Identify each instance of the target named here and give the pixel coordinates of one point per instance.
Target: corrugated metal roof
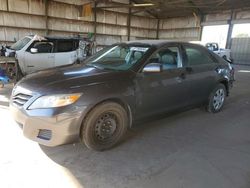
(176, 8)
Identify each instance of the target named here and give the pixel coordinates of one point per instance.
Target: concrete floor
(193, 149)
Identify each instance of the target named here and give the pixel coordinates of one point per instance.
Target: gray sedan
(118, 86)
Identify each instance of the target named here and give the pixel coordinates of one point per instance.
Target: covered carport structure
(110, 21)
(192, 149)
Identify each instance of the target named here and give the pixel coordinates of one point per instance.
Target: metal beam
(7, 5)
(123, 6)
(202, 18)
(158, 28)
(129, 21)
(147, 9)
(46, 17)
(95, 20)
(230, 30)
(196, 10)
(143, 10)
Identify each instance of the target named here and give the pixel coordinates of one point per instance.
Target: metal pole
(46, 17)
(129, 21)
(95, 20)
(158, 29)
(230, 30)
(201, 27)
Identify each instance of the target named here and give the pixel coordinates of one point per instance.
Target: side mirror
(152, 68)
(34, 50)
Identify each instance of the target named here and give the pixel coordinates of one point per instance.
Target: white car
(224, 53)
(35, 53)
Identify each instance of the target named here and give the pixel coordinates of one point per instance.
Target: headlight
(53, 101)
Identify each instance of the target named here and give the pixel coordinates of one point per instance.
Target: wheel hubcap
(218, 99)
(105, 126)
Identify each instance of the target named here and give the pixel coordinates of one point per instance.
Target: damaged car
(34, 53)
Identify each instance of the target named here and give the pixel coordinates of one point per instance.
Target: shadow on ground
(190, 149)
(4, 95)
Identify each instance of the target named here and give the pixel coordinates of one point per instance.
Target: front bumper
(52, 130)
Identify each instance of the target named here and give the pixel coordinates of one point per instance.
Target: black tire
(104, 126)
(217, 99)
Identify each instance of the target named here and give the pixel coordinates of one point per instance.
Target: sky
(219, 33)
(216, 34)
(241, 29)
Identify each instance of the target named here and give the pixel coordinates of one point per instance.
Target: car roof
(158, 43)
(61, 38)
(76, 38)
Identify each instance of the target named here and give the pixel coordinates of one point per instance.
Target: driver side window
(169, 57)
(43, 47)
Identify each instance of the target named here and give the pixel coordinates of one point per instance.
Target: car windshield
(21, 43)
(117, 57)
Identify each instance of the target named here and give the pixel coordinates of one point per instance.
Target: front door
(43, 58)
(162, 91)
(65, 52)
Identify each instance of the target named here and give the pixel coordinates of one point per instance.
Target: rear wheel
(217, 99)
(104, 126)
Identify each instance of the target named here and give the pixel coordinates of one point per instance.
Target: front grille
(20, 99)
(44, 134)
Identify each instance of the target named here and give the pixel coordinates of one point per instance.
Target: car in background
(125, 83)
(34, 53)
(224, 53)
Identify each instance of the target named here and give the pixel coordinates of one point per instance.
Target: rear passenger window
(66, 46)
(197, 57)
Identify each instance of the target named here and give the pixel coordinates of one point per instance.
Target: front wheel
(217, 99)
(104, 126)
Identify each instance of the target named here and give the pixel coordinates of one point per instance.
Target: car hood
(68, 79)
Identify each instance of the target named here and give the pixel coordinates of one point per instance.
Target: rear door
(66, 52)
(202, 74)
(162, 91)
